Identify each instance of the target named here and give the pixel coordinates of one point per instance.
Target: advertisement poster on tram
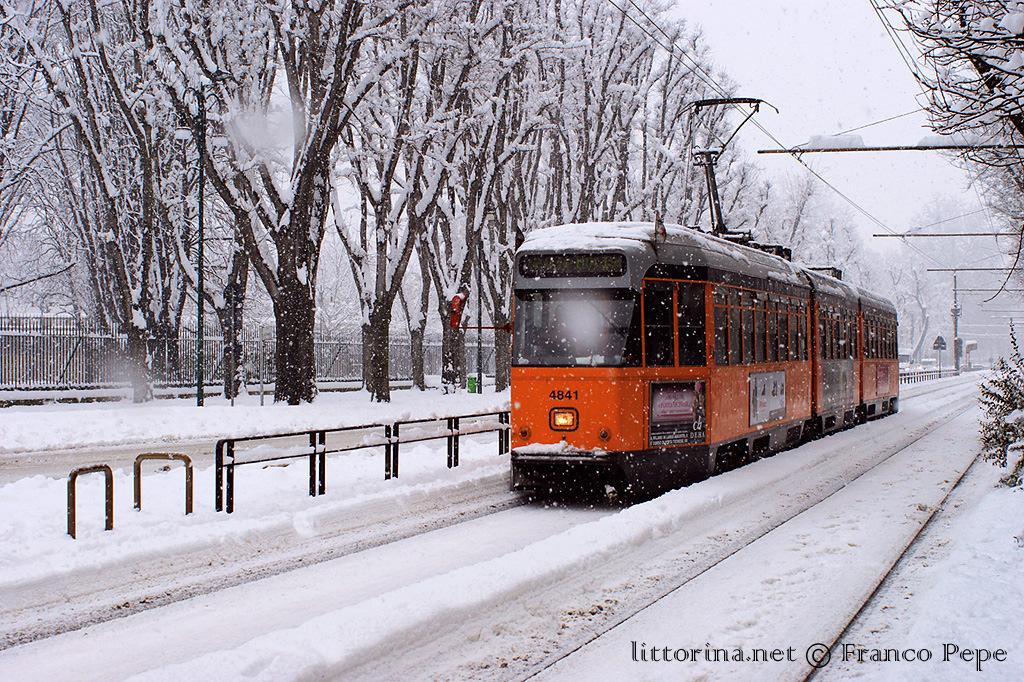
(882, 384)
(677, 413)
(767, 397)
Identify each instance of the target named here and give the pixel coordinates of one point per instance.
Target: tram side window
(852, 326)
(721, 328)
(691, 324)
(801, 331)
(735, 327)
(792, 341)
(784, 331)
(826, 335)
(659, 340)
(773, 332)
(843, 343)
(748, 336)
(759, 331)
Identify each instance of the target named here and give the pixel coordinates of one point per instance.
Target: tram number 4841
(564, 395)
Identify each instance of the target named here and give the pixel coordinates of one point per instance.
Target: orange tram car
(648, 357)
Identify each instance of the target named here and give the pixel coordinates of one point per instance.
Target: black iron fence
(48, 353)
(388, 436)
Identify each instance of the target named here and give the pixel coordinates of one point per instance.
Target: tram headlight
(564, 419)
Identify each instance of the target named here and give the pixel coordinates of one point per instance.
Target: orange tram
(649, 357)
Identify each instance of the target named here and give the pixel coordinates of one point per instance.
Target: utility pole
(200, 301)
(957, 345)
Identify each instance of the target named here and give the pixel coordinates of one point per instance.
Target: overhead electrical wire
(909, 61)
(710, 81)
(875, 123)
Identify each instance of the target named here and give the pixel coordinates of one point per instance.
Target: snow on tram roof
(830, 285)
(598, 236)
(639, 238)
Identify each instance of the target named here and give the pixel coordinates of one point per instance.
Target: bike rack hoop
(108, 490)
(163, 456)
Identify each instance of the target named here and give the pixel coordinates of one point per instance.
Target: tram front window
(577, 328)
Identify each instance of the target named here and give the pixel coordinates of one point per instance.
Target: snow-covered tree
(1002, 427)
(283, 81)
(110, 155)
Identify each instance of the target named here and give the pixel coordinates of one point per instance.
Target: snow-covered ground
(770, 555)
(961, 586)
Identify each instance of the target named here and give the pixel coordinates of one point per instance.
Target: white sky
(828, 66)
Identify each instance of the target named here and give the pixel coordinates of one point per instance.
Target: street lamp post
(200, 301)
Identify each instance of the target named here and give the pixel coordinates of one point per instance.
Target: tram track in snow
(629, 611)
(933, 514)
(42, 610)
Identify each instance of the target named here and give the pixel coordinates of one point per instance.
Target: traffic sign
(939, 344)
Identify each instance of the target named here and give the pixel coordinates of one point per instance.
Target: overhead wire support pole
(957, 345)
(200, 312)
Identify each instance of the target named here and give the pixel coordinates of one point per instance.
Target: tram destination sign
(677, 413)
(572, 265)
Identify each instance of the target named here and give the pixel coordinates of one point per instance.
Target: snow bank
(268, 499)
(50, 427)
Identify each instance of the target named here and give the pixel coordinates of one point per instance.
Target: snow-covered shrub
(1002, 426)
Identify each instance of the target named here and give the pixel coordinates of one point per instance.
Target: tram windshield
(577, 328)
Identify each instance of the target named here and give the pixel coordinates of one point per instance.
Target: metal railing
(390, 436)
(918, 375)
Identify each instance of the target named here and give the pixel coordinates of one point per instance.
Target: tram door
(674, 337)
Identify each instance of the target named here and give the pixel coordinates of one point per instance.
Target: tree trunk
(453, 358)
(232, 357)
(294, 314)
(377, 341)
(231, 316)
(164, 355)
(419, 381)
(502, 358)
(138, 364)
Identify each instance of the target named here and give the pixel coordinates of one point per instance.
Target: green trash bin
(471, 384)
